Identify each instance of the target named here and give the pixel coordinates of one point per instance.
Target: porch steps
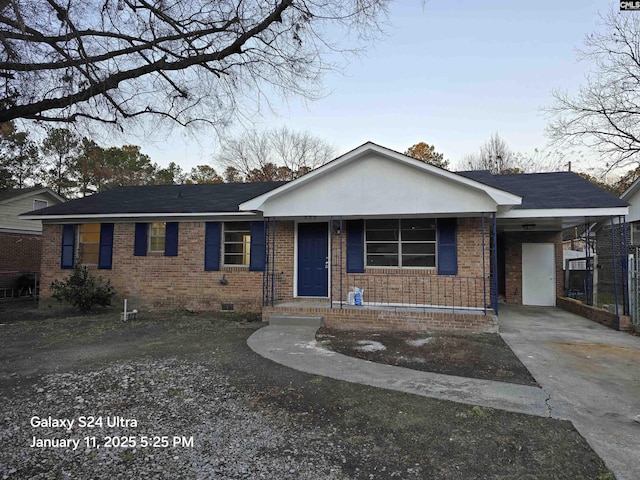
(296, 320)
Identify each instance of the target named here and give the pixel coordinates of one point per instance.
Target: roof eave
(97, 216)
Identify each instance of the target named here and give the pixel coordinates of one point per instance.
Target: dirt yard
(205, 406)
(483, 356)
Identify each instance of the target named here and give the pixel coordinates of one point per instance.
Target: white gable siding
(634, 207)
(374, 185)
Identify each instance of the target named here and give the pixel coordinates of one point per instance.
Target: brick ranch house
(430, 248)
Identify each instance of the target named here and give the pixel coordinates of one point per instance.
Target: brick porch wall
(513, 267)
(371, 319)
(594, 314)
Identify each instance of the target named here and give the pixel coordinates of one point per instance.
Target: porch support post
(273, 261)
(341, 265)
(624, 263)
(588, 288)
(265, 272)
(484, 270)
(615, 273)
(330, 262)
(494, 266)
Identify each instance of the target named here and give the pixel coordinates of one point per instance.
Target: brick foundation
(371, 319)
(595, 314)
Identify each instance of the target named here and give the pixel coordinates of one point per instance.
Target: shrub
(83, 290)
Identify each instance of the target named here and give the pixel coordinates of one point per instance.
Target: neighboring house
(429, 247)
(20, 239)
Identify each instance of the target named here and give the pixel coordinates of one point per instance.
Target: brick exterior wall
(513, 261)
(20, 252)
(158, 282)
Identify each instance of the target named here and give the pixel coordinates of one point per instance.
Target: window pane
(382, 224)
(418, 248)
(158, 229)
(89, 253)
(418, 260)
(418, 224)
(419, 235)
(237, 237)
(234, 259)
(237, 226)
(382, 235)
(156, 244)
(237, 243)
(382, 260)
(382, 248)
(90, 233)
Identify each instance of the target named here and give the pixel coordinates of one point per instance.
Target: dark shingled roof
(549, 190)
(169, 199)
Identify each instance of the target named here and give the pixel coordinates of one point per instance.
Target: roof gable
(373, 180)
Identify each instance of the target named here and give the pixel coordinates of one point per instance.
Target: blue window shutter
(355, 246)
(140, 241)
(68, 246)
(212, 246)
(171, 240)
(106, 246)
(447, 246)
(258, 247)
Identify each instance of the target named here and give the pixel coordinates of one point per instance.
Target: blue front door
(313, 255)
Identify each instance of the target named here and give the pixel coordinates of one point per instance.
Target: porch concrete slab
(591, 371)
(296, 347)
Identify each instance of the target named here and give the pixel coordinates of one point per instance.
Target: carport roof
(558, 190)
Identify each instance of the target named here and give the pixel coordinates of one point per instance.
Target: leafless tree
(494, 155)
(184, 60)
(604, 114)
(278, 154)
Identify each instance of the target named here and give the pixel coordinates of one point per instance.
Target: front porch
(379, 317)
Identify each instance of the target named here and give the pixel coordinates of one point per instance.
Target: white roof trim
(564, 212)
(633, 188)
(499, 196)
(139, 215)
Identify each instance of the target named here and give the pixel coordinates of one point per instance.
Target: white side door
(539, 274)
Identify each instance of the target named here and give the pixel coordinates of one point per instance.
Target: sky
(449, 73)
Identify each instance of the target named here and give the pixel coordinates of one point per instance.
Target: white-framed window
(635, 233)
(236, 243)
(89, 243)
(408, 243)
(157, 236)
(38, 204)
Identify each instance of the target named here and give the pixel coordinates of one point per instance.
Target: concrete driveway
(591, 373)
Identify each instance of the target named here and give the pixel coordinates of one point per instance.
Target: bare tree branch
(186, 60)
(604, 114)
